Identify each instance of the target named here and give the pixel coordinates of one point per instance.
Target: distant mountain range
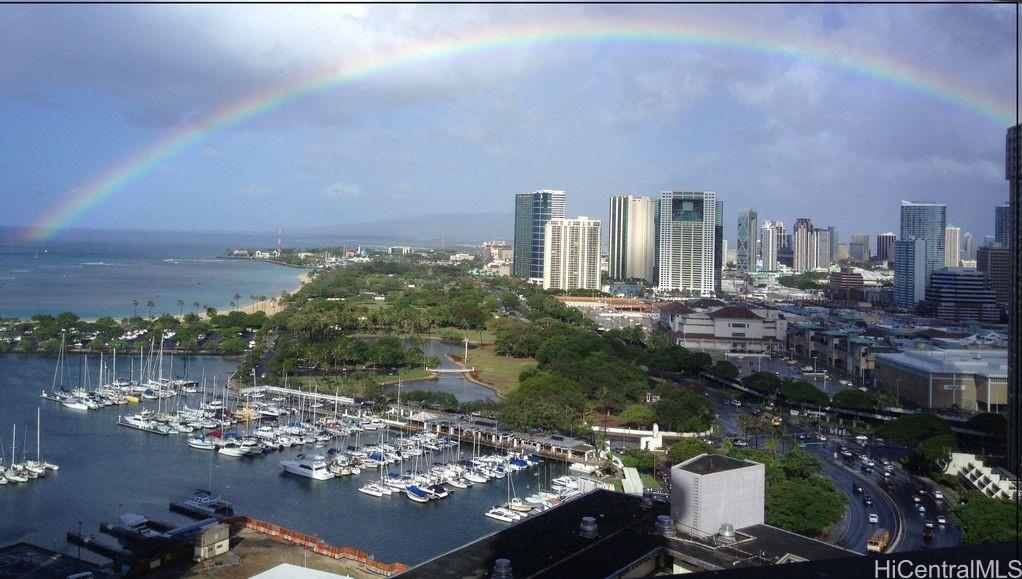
(433, 229)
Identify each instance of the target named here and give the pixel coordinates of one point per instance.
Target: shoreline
(471, 377)
(269, 306)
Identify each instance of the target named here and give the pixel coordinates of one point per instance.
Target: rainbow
(79, 201)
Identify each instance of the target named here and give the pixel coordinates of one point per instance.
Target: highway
(895, 508)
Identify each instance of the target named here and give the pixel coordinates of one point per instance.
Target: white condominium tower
(952, 246)
(632, 237)
(770, 237)
(688, 221)
(571, 257)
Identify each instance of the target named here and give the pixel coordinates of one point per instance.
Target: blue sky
(84, 87)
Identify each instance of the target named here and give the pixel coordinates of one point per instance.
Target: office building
(715, 327)
(952, 246)
(961, 295)
(532, 212)
(822, 243)
(688, 242)
(745, 252)
(885, 246)
(571, 257)
(842, 253)
(1002, 224)
(845, 285)
(835, 241)
(968, 247)
(858, 249)
(632, 237)
(909, 272)
(770, 239)
(805, 245)
(926, 221)
(996, 263)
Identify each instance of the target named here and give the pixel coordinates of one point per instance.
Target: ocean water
(107, 470)
(96, 274)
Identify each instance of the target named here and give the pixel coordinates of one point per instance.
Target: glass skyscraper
(926, 221)
(532, 212)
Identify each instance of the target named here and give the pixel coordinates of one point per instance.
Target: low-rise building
(710, 326)
(994, 482)
(973, 380)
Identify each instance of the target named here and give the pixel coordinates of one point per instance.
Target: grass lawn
(497, 372)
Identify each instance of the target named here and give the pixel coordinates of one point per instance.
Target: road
(894, 508)
(783, 369)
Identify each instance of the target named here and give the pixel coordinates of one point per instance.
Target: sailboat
(39, 465)
(14, 473)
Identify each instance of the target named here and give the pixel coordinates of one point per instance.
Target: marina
(348, 508)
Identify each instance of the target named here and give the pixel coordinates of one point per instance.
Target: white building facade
(687, 242)
(572, 254)
(632, 237)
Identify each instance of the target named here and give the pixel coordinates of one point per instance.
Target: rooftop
(713, 463)
(990, 363)
(550, 545)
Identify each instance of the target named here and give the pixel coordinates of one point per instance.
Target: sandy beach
(270, 306)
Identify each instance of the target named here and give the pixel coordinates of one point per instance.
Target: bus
(878, 542)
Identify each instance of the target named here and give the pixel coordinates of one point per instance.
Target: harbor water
(107, 470)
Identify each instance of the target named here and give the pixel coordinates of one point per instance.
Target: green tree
(938, 448)
(801, 392)
(855, 399)
(683, 410)
(799, 463)
(912, 429)
(764, 382)
(687, 448)
(724, 370)
(804, 507)
(637, 415)
(986, 520)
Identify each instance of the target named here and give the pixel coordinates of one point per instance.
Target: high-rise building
(805, 247)
(632, 237)
(770, 238)
(835, 241)
(909, 272)
(821, 241)
(969, 248)
(745, 252)
(1002, 224)
(842, 252)
(687, 236)
(952, 246)
(995, 261)
(719, 245)
(858, 249)
(926, 221)
(1013, 172)
(885, 246)
(572, 254)
(532, 212)
(960, 295)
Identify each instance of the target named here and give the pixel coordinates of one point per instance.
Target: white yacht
(374, 490)
(313, 467)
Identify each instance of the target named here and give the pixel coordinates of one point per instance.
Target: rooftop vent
(502, 569)
(588, 529)
(664, 525)
(726, 534)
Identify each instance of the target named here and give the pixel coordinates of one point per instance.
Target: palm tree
(196, 306)
(181, 306)
(772, 445)
(237, 298)
(150, 304)
(134, 303)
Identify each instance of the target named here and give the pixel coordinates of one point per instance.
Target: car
(941, 520)
(736, 403)
(857, 489)
(928, 524)
(821, 438)
(922, 509)
(887, 474)
(865, 468)
(938, 495)
(740, 442)
(922, 490)
(874, 518)
(867, 501)
(915, 498)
